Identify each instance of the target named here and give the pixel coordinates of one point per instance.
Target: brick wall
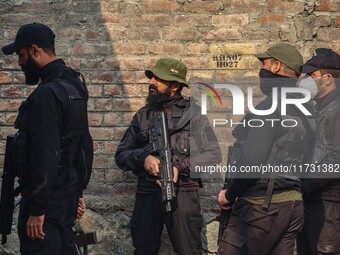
(112, 42)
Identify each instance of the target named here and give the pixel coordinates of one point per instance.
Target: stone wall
(112, 42)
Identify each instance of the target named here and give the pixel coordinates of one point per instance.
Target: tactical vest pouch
(180, 143)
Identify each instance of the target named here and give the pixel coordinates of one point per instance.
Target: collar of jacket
(51, 69)
(322, 102)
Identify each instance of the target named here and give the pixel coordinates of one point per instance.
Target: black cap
(286, 54)
(322, 58)
(29, 34)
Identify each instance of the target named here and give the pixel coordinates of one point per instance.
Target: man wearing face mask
(267, 210)
(184, 222)
(321, 232)
(53, 147)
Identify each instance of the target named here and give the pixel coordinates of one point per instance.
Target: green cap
(285, 53)
(169, 69)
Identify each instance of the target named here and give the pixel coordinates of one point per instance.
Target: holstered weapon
(160, 141)
(225, 214)
(7, 190)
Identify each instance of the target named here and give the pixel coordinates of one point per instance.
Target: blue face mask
(310, 84)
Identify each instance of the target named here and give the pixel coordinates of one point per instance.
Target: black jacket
(258, 146)
(54, 121)
(327, 148)
(130, 155)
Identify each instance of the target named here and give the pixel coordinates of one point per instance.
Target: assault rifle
(160, 140)
(8, 193)
(225, 214)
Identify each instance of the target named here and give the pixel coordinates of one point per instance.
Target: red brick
(223, 34)
(103, 105)
(132, 63)
(92, 63)
(132, 90)
(271, 18)
(328, 34)
(131, 104)
(110, 147)
(180, 34)
(327, 6)
(97, 147)
(150, 32)
(14, 91)
(33, 6)
(100, 133)
(202, 6)
(133, 33)
(2, 149)
(194, 63)
(112, 90)
(193, 20)
(15, 19)
(154, 20)
(115, 33)
(101, 161)
(103, 77)
(10, 118)
(129, 48)
(10, 105)
(114, 18)
(95, 119)
(91, 105)
(110, 63)
(337, 22)
(91, 49)
(112, 119)
(197, 48)
(166, 48)
(161, 5)
(68, 34)
(259, 35)
(230, 20)
(5, 77)
(93, 35)
(286, 6)
(109, 6)
(126, 77)
(95, 90)
(249, 5)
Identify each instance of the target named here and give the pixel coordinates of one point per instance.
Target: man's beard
(157, 99)
(32, 71)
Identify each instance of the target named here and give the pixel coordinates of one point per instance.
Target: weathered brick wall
(112, 42)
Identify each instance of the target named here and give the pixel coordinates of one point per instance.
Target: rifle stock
(7, 190)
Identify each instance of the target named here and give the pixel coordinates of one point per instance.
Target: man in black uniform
(321, 232)
(53, 147)
(184, 223)
(268, 212)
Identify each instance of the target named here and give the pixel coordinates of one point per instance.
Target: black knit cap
(29, 34)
